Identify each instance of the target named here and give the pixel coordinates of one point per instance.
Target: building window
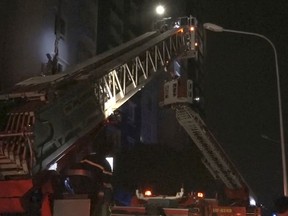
(130, 142)
(59, 67)
(174, 89)
(166, 91)
(149, 103)
(60, 26)
(190, 88)
(131, 112)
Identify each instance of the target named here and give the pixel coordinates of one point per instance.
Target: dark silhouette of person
(92, 175)
(281, 206)
(52, 64)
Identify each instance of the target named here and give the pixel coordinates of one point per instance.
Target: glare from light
(53, 167)
(200, 195)
(252, 202)
(176, 26)
(110, 111)
(148, 193)
(160, 10)
(197, 99)
(110, 161)
(192, 28)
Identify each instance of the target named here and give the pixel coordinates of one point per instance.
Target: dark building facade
(34, 34)
(120, 22)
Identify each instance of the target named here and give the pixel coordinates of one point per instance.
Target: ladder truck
(177, 94)
(46, 120)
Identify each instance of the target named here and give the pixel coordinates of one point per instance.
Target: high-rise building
(44, 37)
(49, 36)
(121, 21)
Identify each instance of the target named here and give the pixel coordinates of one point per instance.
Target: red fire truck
(46, 120)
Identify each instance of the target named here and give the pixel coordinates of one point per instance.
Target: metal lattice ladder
(215, 159)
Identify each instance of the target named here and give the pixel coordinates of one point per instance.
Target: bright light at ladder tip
(160, 10)
(148, 193)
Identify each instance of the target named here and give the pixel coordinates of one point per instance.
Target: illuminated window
(131, 112)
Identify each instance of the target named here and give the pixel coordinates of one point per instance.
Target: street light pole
(216, 28)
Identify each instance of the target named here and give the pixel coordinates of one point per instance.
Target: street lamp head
(213, 27)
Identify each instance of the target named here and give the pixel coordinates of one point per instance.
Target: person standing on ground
(92, 175)
(97, 163)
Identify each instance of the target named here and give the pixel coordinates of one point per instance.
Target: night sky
(241, 93)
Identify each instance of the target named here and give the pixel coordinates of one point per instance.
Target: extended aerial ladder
(47, 118)
(104, 83)
(214, 157)
(178, 94)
